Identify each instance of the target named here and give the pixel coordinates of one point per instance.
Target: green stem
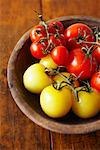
(88, 87)
(93, 43)
(89, 51)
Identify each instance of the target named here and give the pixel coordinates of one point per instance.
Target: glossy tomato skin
(48, 62)
(56, 103)
(96, 54)
(78, 64)
(95, 81)
(72, 32)
(55, 26)
(35, 79)
(57, 40)
(60, 55)
(88, 105)
(37, 49)
(37, 32)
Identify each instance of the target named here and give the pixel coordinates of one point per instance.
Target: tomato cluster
(67, 75)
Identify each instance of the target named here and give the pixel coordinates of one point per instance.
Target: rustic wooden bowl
(19, 61)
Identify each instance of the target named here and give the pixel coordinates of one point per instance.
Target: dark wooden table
(17, 132)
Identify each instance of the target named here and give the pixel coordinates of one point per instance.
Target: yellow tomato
(88, 104)
(56, 103)
(98, 95)
(35, 79)
(58, 78)
(48, 62)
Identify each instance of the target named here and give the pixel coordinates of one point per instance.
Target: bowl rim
(27, 110)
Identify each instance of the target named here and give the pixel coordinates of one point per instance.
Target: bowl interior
(23, 59)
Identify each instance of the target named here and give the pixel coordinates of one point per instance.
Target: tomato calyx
(87, 86)
(43, 23)
(88, 54)
(38, 31)
(88, 51)
(43, 41)
(83, 38)
(53, 72)
(56, 35)
(53, 39)
(69, 81)
(56, 27)
(48, 49)
(80, 37)
(59, 86)
(77, 90)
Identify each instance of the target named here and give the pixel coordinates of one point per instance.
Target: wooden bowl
(19, 61)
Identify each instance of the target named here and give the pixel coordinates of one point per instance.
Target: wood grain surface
(17, 132)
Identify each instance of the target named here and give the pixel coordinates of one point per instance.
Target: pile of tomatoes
(67, 75)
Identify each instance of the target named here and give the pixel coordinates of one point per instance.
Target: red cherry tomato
(75, 31)
(96, 54)
(38, 49)
(60, 55)
(57, 40)
(55, 26)
(37, 33)
(81, 65)
(95, 81)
